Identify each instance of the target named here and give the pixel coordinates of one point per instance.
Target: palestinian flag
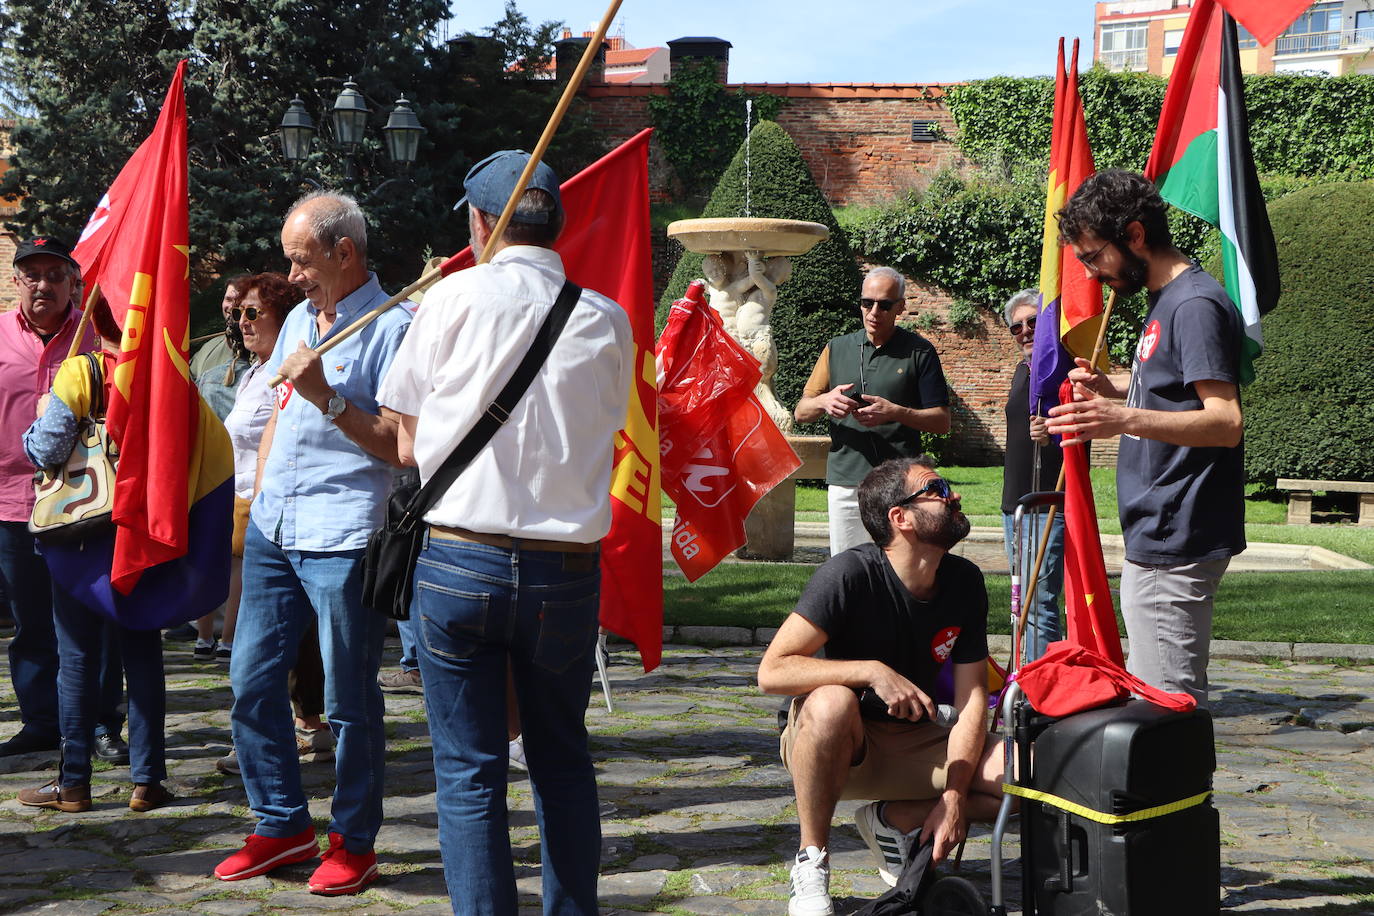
(1202, 163)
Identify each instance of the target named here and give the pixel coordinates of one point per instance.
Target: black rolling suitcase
(1117, 818)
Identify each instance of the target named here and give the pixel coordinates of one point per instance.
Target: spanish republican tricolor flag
(1070, 300)
(174, 485)
(1202, 163)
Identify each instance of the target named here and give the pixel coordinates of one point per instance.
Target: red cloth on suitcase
(1069, 678)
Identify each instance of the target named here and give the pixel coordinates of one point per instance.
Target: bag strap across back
(499, 410)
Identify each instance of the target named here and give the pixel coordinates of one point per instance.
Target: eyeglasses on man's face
(54, 276)
(884, 305)
(1089, 260)
(935, 488)
(1028, 324)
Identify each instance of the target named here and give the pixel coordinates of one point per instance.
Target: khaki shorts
(901, 760)
(241, 507)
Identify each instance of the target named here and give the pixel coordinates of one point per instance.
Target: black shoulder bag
(392, 550)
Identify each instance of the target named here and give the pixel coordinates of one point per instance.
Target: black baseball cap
(44, 244)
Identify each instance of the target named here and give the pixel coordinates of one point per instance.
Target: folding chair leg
(603, 654)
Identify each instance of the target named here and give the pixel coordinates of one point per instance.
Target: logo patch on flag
(942, 646)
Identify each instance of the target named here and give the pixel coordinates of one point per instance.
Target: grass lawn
(1250, 605)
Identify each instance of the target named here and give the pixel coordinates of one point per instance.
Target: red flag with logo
(1087, 594)
(605, 246)
(721, 451)
(135, 246)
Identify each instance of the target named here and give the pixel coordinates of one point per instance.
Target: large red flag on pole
(1087, 594)
(1265, 19)
(135, 246)
(605, 246)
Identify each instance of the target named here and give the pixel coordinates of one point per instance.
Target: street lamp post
(349, 116)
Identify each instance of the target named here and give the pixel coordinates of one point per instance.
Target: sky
(825, 41)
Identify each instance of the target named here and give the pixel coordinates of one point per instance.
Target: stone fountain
(747, 259)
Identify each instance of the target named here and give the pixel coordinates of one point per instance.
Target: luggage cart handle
(1041, 498)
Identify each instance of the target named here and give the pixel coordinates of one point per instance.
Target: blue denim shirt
(320, 490)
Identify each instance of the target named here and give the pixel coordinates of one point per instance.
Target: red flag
(135, 246)
(1087, 594)
(721, 451)
(605, 247)
(1265, 19)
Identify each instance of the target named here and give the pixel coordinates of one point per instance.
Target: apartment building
(1334, 37)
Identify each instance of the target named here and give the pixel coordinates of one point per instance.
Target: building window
(1317, 29)
(1123, 46)
(1244, 39)
(1363, 36)
(1172, 39)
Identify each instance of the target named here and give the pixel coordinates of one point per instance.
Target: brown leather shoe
(149, 795)
(53, 795)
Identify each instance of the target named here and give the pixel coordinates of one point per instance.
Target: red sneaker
(261, 854)
(341, 871)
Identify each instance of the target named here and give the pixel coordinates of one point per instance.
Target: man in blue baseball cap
(510, 572)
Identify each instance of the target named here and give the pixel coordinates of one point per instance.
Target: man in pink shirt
(34, 339)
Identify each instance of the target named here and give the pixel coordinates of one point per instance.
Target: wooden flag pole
(1098, 347)
(91, 299)
(204, 337)
(536, 156)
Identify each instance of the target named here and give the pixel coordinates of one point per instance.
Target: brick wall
(856, 139)
(9, 295)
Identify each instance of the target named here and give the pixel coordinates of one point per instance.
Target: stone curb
(1235, 649)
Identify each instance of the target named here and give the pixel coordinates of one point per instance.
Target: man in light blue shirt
(324, 471)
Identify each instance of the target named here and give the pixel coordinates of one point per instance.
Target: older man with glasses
(879, 389)
(34, 339)
(1031, 464)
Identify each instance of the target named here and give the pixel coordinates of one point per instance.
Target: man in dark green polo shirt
(880, 388)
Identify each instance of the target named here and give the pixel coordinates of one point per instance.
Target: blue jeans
(33, 650)
(409, 650)
(82, 638)
(1042, 623)
(284, 591)
(477, 606)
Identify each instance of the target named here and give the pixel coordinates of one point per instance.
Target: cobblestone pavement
(697, 812)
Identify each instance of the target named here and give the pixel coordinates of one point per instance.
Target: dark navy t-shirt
(868, 613)
(1179, 504)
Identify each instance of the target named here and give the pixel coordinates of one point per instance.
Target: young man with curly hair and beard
(1180, 469)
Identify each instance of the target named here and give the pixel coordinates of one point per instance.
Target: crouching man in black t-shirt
(861, 654)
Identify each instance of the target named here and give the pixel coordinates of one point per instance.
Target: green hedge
(1299, 125)
(1308, 412)
(820, 300)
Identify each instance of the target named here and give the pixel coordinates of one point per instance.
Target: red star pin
(40, 242)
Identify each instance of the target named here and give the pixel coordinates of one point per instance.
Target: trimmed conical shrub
(821, 299)
(1308, 413)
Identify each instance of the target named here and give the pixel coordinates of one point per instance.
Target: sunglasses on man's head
(1029, 324)
(884, 305)
(937, 487)
(252, 313)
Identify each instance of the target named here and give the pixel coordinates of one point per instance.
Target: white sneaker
(516, 752)
(889, 846)
(811, 884)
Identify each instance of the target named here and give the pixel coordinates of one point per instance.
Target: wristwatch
(334, 407)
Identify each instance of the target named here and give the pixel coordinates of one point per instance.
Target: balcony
(1317, 42)
(1134, 60)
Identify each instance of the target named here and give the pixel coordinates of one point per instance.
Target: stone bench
(1300, 497)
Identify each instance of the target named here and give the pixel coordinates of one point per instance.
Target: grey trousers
(1168, 612)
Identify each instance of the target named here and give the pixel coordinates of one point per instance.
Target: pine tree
(820, 301)
(93, 79)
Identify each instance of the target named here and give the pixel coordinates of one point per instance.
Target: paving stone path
(697, 812)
